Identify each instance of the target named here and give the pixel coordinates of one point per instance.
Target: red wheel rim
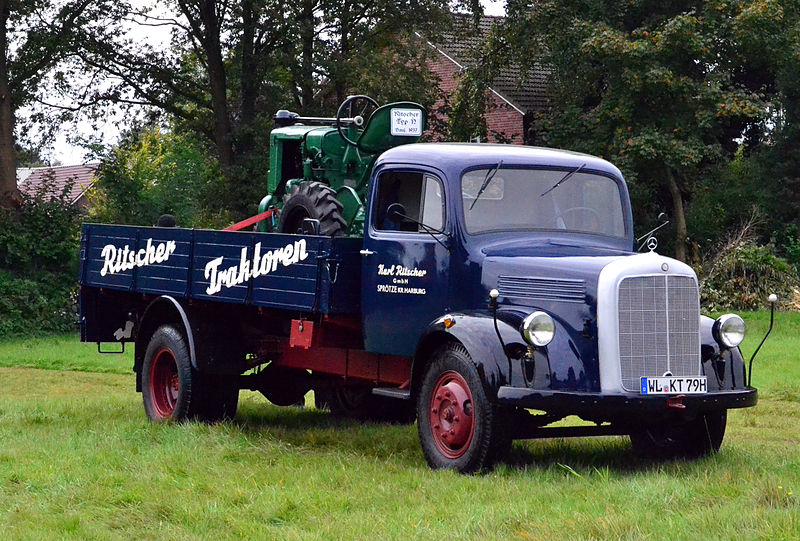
(451, 415)
(164, 385)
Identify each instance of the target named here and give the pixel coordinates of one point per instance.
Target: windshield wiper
(563, 179)
(487, 179)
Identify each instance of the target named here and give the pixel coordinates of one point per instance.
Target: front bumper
(587, 404)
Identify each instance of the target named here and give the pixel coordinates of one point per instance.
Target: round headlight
(729, 330)
(538, 329)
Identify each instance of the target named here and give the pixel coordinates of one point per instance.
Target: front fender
(476, 332)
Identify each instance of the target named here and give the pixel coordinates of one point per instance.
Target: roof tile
(53, 180)
(526, 91)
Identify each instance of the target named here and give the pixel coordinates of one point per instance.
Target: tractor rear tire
(312, 200)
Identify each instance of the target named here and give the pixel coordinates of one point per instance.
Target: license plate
(674, 385)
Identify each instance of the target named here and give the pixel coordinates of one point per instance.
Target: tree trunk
(681, 235)
(248, 80)
(344, 51)
(9, 194)
(307, 56)
(210, 41)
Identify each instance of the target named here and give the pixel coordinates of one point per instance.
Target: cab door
(405, 262)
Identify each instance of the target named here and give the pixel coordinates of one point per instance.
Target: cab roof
(453, 158)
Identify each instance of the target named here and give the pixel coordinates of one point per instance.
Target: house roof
(53, 180)
(526, 91)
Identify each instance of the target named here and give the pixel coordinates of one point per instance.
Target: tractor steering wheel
(358, 119)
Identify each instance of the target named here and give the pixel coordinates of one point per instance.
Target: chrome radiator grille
(659, 327)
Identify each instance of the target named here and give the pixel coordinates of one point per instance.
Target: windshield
(517, 199)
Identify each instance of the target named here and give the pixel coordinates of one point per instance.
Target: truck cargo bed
(294, 272)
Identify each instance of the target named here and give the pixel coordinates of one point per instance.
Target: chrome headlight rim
(729, 330)
(538, 329)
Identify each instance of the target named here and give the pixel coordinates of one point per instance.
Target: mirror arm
(652, 231)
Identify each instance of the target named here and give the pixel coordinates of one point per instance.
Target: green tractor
(320, 167)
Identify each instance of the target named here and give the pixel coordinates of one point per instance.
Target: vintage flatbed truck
(495, 290)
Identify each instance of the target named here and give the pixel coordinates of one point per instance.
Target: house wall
(500, 117)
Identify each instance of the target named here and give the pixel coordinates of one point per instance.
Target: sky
(67, 154)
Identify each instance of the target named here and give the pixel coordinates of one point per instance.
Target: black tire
(502, 440)
(359, 403)
(290, 396)
(312, 200)
(219, 398)
(169, 383)
(458, 426)
(346, 402)
(284, 387)
(698, 437)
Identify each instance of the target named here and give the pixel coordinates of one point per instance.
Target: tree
(214, 79)
(233, 63)
(664, 90)
(152, 172)
(35, 36)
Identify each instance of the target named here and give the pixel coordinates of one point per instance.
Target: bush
(43, 234)
(155, 173)
(39, 265)
(790, 246)
(742, 274)
(45, 303)
(726, 197)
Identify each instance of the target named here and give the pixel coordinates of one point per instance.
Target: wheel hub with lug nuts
(164, 383)
(451, 416)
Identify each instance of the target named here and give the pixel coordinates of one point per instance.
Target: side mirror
(396, 212)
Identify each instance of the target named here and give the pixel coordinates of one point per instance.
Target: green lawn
(63, 352)
(79, 460)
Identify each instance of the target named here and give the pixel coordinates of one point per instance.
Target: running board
(392, 392)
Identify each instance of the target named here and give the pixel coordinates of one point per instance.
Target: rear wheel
(458, 427)
(312, 200)
(173, 391)
(283, 387)
(168, 381)
(360, 403)
(698, 437)
(219, 398)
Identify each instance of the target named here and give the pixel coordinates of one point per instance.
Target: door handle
(366, 252)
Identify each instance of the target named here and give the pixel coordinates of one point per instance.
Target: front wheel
(458, 426)
(701, 436)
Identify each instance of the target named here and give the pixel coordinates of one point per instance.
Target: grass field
(79, 460)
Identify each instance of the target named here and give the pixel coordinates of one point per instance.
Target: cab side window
(422, 198)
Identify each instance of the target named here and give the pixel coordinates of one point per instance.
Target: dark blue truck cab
(495, 291)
